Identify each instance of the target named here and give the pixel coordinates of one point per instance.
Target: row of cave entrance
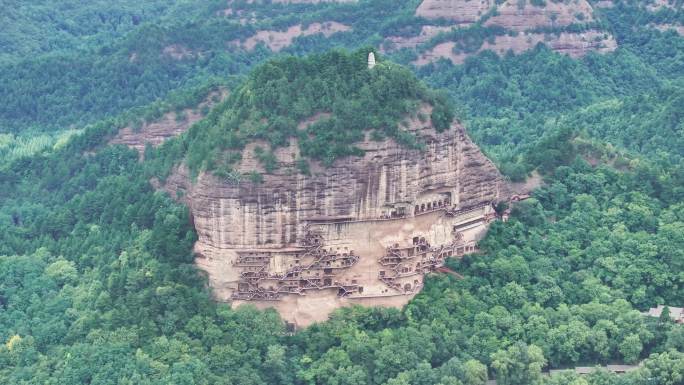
(401, 212)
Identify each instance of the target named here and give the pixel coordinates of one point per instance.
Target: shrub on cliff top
(280, 94)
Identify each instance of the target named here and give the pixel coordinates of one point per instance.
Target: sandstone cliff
(670, 27)
(512, 15)
(365, 230)
(525, 23)
(572, 44)
(166, 127)
(277, 40)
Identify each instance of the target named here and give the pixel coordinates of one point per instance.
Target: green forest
(278, 95)
(97, 280)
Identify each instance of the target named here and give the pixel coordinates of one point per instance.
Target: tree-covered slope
(85, 81)
(38, 27)
(96, 69)
(97, 284)
(348, 98)
(510, 103)
(98, 287)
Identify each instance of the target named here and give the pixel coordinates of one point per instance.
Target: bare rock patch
(363, 231)
(511, 15)
(667, 27)
(168, 126)
(427, 32)
(461, 12)
(572, 44)
(277, 40)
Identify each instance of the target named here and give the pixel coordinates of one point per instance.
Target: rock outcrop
(572, 44)
(656, 5)
(312, 1)
(180, 52)
(511, 15)
(604, 4)
(364, 230)
(168, 126)
(305, 1)
(461, 12)
(250, 18)
(277, 40)
(526, 24)
(427, 32)
(670, 27)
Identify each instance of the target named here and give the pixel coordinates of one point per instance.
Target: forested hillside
(97, 282)
(181, 51)
(337, 86)
(47, 27)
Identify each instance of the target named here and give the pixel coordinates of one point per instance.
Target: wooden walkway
(582, 370)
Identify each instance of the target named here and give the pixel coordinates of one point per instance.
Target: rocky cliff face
(526, 25)
(572, 44)
(670, 27)
(463, 12)
(308, 244)
(168, 126)
(277, 40)
(510, 14)
(519, 16)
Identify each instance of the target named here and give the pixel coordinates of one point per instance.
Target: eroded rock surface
(604, 4)
(511, 15)
(656, 5)
(230, 11)
(667, 27)
(168, 126)
(312, 1)
(277, 40)
(427, 32)
(305, 1)
(463, 12)
(526, 25)
(364, 230)
(179, 52)
(572, 44)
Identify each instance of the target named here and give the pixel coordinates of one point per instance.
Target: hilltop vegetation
(89, 82)
(338, 87)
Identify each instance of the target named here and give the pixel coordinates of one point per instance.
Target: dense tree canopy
(79, 64)
(97, 284)
(337, 87)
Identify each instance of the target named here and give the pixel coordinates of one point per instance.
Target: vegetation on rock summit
(279, 95)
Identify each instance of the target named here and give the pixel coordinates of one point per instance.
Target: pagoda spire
(371, 60)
